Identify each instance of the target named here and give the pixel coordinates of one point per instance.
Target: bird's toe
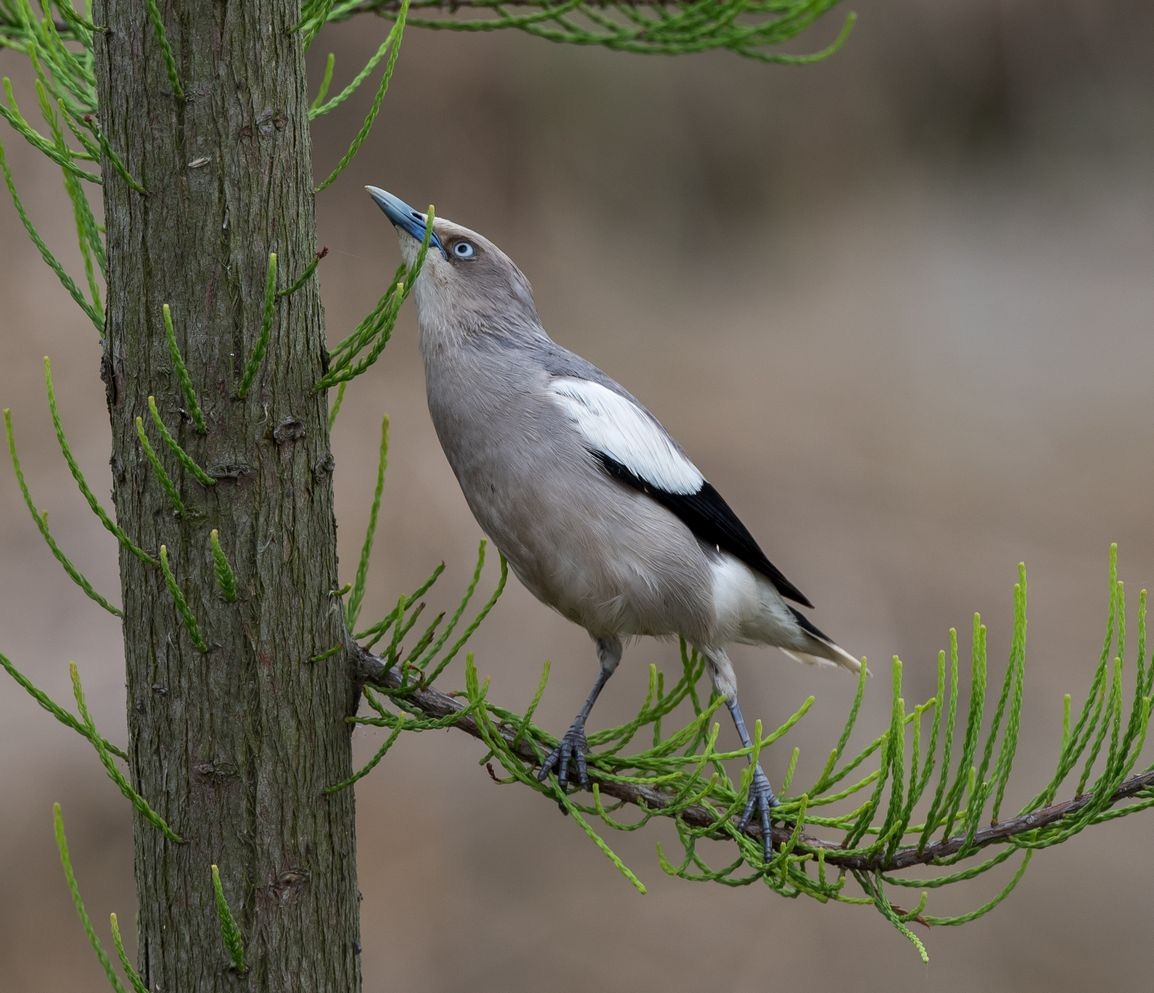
(572, 749)
(763, 800)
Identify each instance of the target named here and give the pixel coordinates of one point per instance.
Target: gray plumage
(599, 512)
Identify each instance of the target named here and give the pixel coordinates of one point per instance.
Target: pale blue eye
(464, 249)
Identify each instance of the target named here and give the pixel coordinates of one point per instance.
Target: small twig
(368, 668)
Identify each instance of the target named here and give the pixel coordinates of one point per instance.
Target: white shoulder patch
(612, 424)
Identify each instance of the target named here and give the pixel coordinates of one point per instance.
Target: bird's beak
(404, 217)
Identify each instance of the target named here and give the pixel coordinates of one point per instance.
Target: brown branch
(452, 6)
(368, 668)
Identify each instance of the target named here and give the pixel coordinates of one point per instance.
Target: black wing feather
(710, 518)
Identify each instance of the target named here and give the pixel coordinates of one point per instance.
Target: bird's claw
(573, 747)
(762, 797)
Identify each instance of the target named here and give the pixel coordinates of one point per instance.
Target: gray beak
(404, 217)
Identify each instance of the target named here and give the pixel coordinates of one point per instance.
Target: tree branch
(368, 668)
(451, 6)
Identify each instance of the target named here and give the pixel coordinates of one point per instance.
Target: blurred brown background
(898, 306)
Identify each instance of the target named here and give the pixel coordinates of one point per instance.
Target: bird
(597, 509)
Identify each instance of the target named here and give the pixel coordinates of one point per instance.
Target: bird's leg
(573, 745)
(761, 795)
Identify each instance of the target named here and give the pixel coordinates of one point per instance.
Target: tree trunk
(233, 745)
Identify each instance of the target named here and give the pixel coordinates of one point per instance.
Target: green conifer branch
(182, 456)
(326, 82)
(749, 28)
(158, 467)
(65, 159)
(41, 519)
(182, 374)
(270, 298)
(320, 107)
(684, 776)
(337, 403)
(94, 315)
(117, 777)
(394, 38)
(306, 275)
(372, 334)
(225, 577)
(165, 48)
(78, 901)
(79, 478)
(357, 595)
(87, 237)
(57, 711)
(229, 930)
(178, 597)
(125, 962)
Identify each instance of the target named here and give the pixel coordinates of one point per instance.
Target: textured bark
(232, 746)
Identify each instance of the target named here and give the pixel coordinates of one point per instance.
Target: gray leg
(573, 746)
(761, 794)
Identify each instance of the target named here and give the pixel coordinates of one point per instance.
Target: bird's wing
(635, 449)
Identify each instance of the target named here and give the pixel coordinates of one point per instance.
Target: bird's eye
(464, 249)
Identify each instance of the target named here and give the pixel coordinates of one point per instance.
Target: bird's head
(467, 285)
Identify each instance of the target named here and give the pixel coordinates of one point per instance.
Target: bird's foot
(763, 799)
(573, 747)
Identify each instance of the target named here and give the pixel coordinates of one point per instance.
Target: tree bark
(234, 745)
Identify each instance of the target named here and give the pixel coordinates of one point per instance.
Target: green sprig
(138, 985)
(142, 806)
(78, 901)
(94, 314)
(394, 38)
(57, 711)
(165, 48)
(158, 467)
(689, 773)
(182, 606)
(229, 930)
(356, 597)
(270, 298)
(41, 519)
(225, 577)
(182, 374)
(78, 476)
(182, 456)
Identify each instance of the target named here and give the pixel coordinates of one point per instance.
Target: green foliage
(165, 48)
(182, 456)
(118, 777)
(353, 606)
(181, 370)
(94, 314)
(182, 607)
(125, 963)
(41, 519)
(225, 577)
(78, 902)
(928, 790)
(78, 476)
(684, 775)
(393, 42)
(58, 44)
(750, 28)
(304, 276)
(162, 475)
(358, 352)
(57, 711)
(229, 929)
(270, 298)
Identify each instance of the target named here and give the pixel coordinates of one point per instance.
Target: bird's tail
(821, 648)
